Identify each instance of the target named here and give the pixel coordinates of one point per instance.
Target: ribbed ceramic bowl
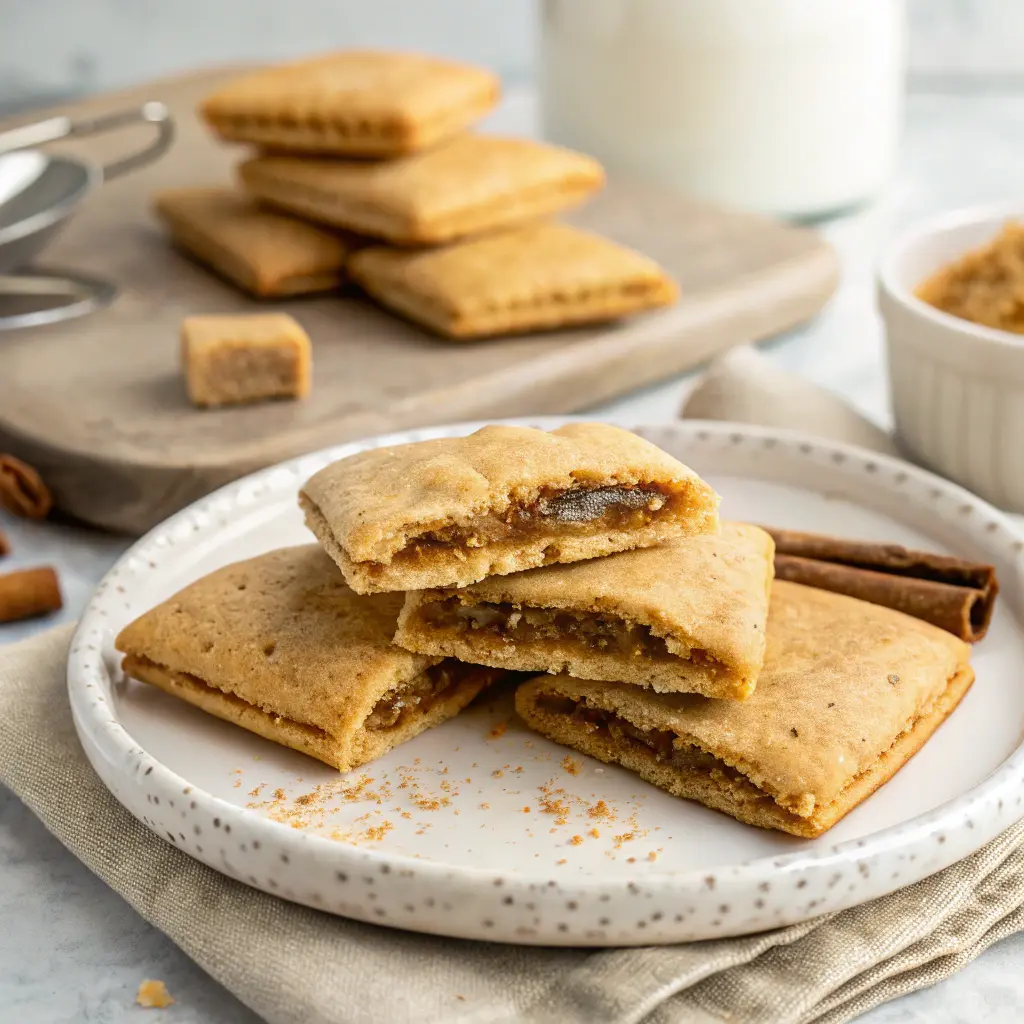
(957, 388)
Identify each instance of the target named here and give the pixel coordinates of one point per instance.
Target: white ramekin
(957, 388)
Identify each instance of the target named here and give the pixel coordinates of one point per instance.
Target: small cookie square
(231, 360)
(357, 102)
(532, 278)
(470, 185)
(264, 252)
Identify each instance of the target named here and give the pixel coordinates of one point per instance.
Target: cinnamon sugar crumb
(571, 765)
(255, 792)
(526, 810)
(600, 810)
(153, 995)
(594, 834)
(497, 773)
(576, 840)
(498, 731)
(652, 855)
(562, 861)
(377, 832)
(485, 807)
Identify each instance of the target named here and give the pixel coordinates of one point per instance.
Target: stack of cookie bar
(586, 554)
(366, 167)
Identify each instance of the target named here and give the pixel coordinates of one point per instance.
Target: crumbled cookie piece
(232, 360)
(153, 995)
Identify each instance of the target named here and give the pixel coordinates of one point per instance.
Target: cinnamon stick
(28, 593)
(22, 490)
(954, 594)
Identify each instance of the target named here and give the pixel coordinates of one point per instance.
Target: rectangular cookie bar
(687, 616)
(471, 184)
(448, 512)
(533, 278)
(355, 103)
(849, 692)
(281, 646)
(229, 360)
(266, 253)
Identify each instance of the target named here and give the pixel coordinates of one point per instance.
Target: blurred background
(53, 49)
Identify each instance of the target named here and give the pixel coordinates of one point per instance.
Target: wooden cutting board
(97, 404)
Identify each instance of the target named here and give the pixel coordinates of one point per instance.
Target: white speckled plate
(479, 829)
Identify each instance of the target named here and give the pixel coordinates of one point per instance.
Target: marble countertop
(78, 952)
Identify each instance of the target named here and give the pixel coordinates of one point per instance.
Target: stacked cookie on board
(586, 554)
(366, 167)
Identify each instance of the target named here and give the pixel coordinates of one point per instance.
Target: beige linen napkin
(291, 964)
(742, 385)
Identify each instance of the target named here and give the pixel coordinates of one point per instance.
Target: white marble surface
(78, 952)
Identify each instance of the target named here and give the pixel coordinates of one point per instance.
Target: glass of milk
(789, 107)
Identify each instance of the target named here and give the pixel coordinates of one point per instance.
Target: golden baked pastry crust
(468, 185)
(281, 646)
(685, 616)
(379, 513)
(849, 692)
(264, 252)
(355, 102)
(538, 277)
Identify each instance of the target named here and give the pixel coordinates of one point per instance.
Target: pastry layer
(849, 691)
(352, 103)
(264, 252)
(685, 616)
(434, 696)
(282, 646)
(685, 770)
(536, 277)
(469, 185)
(451, 511)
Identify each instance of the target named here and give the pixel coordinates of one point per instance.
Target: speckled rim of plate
(476, 898)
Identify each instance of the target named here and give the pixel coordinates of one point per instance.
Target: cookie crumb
(498, 731)
(576, 840)
(153, 995)
(594, 834)
(572, 766)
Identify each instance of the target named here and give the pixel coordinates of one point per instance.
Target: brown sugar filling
(419, 695)
(590, 631)
(570, 512)
(661, 742)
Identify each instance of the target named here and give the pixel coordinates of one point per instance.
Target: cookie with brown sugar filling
(849, 692)
(281, 646)
(451, 511)
(262, 251)
(468, 185)
(533, 278)
(364, 103)
(687, 616)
